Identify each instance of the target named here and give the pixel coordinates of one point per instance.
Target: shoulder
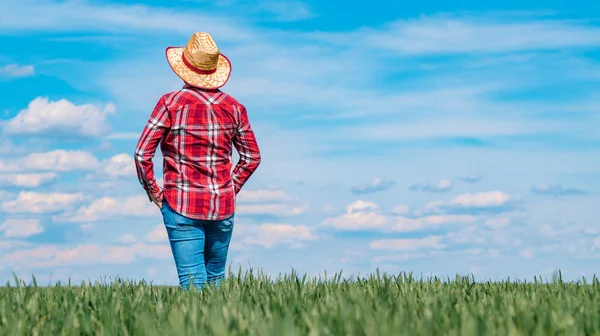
(174, 97)
(230, 100)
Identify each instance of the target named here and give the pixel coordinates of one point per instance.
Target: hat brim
(208, 81)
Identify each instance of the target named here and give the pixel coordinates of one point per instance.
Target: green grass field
(251, 304)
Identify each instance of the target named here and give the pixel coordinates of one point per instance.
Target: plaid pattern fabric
(196, 130)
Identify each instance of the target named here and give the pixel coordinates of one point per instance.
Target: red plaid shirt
(196, 130)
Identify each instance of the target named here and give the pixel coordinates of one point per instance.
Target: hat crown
(202, 52)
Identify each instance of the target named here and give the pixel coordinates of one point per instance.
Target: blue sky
(433, 138)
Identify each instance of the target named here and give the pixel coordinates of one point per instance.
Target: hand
(157, 202)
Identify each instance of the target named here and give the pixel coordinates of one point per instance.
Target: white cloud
(401, 210)
(50, 256)
(16, 70)
(410, 244)
(378, 184)
(472, 234)
(157, 235)
(123, 136)
(6, 245)
(399, 257)
(34, 202)
(87, 227)
(5, 195)
(270, 234)
(27, 180)
(441, 186)
(497, 223)
(120, 165)
(269, 202)
(263, 196)
(126, 238)
(508, 237)
(109, 207)
(404, 224)
(59, 160)
(469, 235)
(527, 253)
(329, 209)
(21, 228)
(560, 232)
(360, 215)
(494, 253)
(484, 199)
(280, 210)
(361, 205)
(53, 117)
(491, 200)
(7, 147)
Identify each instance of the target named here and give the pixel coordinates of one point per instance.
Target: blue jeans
(199, 247)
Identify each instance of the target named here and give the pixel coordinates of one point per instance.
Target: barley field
(250, 303)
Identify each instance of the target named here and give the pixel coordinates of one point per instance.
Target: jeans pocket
(173, 219)
(183, 222)
(225, 225)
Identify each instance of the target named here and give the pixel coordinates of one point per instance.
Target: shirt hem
(195, 216)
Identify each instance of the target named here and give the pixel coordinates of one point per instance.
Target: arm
(156, 128)
(245, 143)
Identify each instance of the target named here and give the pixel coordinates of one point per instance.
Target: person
(196, 128)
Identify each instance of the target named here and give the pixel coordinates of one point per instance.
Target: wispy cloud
(441, 186)
(378, 184)
(409, 244)
(85, 16)
(16, 70)
(556, 190)
(471, 178)
(482, 202)
(446, 34)
(487, 81)
(269, 202)
(286, 11)
(269, 235)
(404, 224)
(277, 210)
(51, 256)
(263, 196)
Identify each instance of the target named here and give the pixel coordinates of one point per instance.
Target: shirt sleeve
(247, 147)
(156, 128)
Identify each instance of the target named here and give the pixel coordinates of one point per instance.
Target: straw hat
(200, 63)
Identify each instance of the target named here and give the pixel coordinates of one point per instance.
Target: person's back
(197, 127)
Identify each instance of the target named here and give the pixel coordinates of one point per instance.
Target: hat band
(196, 70)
